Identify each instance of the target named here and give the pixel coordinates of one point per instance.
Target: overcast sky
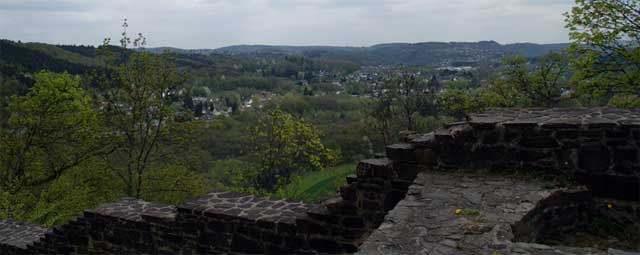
(216, 23)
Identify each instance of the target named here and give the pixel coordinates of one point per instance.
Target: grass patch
(469, 212)
(317, 185)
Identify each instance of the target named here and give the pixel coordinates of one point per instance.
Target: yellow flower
(458, 211)
(609, 206)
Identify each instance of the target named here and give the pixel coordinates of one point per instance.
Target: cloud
(215, 23)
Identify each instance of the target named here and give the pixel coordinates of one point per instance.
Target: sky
(197, 24)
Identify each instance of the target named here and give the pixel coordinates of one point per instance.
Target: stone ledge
(135, 210)
(19, 234)
(601, 117)
(229, 205)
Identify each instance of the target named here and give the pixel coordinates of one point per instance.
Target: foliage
(51, 133)
(457, 84)
(235, 174)
(410, 95)
(605, 37)
(50, 130)
(173, 184)
(284, 146)
(138, 112)
(625, 101)
(540, 85)
(458, 103)
(67, 196)
(381, 114)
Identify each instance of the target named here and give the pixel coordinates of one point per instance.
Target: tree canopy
(283, 146)
(605, 37)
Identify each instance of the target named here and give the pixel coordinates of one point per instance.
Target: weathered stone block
(325, 245)
(401, 184)
(617, 133)
(598, 122)
(348, 192)
(538, 142)
(521, 124)
(321, 213)
(244, 244)
(339, 206)
(443, 136)
(367, 204)
(402, 152)
(593, 158)
(425, 156)
(348, 233)
(626, 154)
(382, 168)
(491, 153)
(311, 227)
(531, 155)
(491, 137)
(423, 141)
(568, 134)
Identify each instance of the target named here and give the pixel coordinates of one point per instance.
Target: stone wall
(600, 147)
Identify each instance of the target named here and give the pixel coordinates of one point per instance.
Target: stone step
(401, 152)
(380, 168)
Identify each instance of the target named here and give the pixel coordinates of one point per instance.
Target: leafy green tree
(458, 103)
(235, 174)
(173, 183)
(284, 146)
(540, 84)
(77, 189)
(51, 130)
(605, 36)
(139, 112)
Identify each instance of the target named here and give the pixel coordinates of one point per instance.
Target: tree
(605, 36)
(51, 130)
(458, 103)
(139, 111)
(542, 83)
(381, 114)
(284, 146)
(410, 96)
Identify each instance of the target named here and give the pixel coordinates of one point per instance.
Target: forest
(84, 125)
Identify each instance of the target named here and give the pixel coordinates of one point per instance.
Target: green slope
(318, 184)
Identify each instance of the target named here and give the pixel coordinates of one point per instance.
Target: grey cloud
(215, 23)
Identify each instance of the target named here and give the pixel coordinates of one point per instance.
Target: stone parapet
(600, 147)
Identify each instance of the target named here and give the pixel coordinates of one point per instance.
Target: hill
(38, 56)
(78, 59)
(427, 53)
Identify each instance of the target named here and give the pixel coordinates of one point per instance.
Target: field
(315, 186)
